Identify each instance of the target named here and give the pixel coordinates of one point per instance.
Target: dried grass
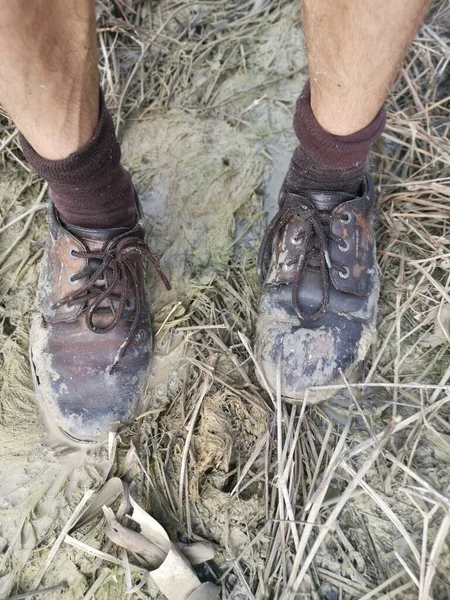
(349, 500)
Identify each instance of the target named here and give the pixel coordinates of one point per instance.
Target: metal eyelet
(72, 281)
(72, 253)
(344, 272)
(343, 245)
(346, 217)
(297, 238)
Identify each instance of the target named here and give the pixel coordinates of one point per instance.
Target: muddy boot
(91, 344)
(317, 313)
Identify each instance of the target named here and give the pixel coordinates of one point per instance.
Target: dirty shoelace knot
(316, 237)
(110, 281)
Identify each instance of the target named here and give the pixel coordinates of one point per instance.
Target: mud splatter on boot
(317, 313)
(91, 341)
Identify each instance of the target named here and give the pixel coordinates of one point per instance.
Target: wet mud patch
(192, 176)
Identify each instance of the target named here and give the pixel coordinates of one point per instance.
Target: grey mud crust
(317, 314)
(56, 434)
(342, 398)
(68, 429)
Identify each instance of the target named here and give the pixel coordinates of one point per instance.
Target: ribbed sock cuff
(101, 149)
(90, 188)
(328, 150)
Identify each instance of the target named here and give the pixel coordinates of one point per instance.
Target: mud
(205, 177)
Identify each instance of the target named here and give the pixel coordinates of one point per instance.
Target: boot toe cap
(87, 412)
(310, 354)
(83, 400)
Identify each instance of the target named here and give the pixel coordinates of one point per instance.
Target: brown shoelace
(116, 269)
(317, 236)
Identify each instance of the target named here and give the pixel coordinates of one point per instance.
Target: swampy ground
(348, 500)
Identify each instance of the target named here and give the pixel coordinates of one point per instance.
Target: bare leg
(355, 48)
(49, 85)
(48, 72)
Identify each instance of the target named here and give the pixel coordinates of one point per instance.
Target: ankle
(90, 188)
(306, 174)
(324, 161)
(69, 131)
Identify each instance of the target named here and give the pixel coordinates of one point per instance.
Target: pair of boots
(91, 344)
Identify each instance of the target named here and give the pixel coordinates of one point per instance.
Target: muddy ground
(208, 170)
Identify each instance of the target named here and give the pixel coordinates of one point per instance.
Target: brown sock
(90, 188)
(324, 161)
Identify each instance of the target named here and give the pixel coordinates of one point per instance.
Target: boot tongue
(327, 201)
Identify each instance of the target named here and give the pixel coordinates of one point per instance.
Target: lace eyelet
(344, 272)
(346, 217)
(343, 245)
(72, 253)
(297, 238)
(72, 281)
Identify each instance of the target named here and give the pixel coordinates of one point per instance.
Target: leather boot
(91, 343)
(317, 313)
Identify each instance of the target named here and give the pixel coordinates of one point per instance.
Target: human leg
(318, 308)
(92, 278)
(48, 72)
(49, 87)
(355, 49)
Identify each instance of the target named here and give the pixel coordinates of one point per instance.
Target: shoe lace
(317, 235)
(115, 270)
